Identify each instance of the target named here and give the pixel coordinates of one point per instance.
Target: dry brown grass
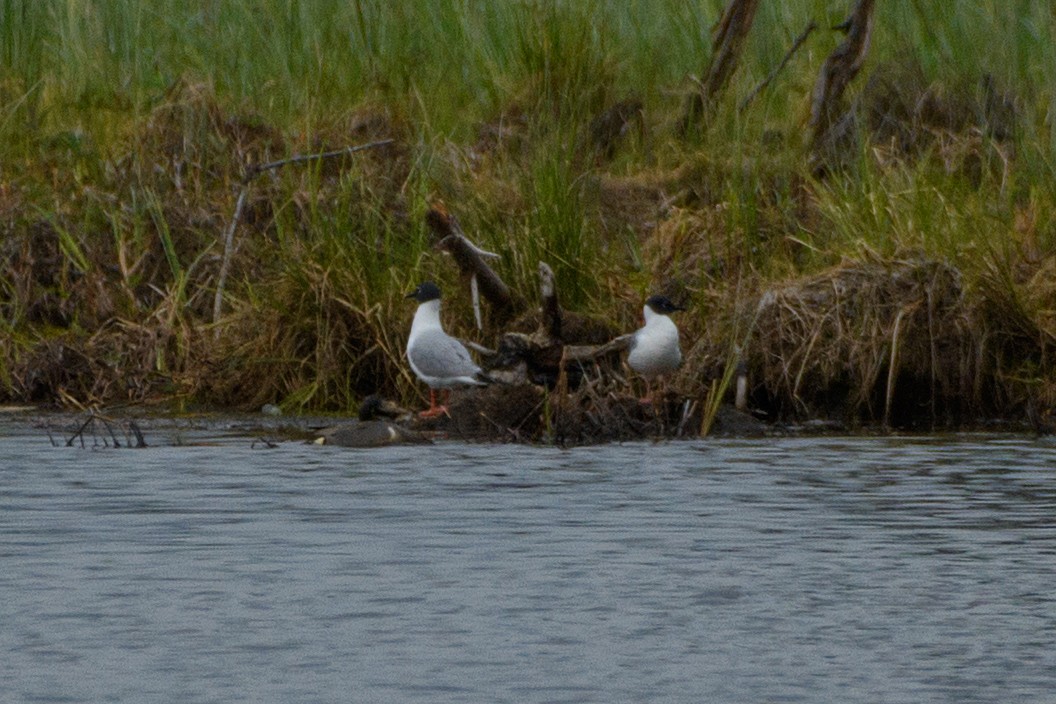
(866, 337)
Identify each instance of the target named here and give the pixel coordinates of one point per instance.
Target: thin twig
(255, 171)
(800, 40)
(80, 432)
(140, 442)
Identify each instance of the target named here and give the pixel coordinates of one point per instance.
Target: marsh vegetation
(912, 281)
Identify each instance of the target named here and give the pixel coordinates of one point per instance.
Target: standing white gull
(438, 359)
(654, 349)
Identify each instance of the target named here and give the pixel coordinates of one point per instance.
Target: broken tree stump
(830, 123)
(727, 42)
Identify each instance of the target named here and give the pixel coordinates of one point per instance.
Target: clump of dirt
(694, 242)
(593, 415)
(634, 205)
(869, 341)
(191, 144)
(597, 412)
(119, 363)
(610, 127)
(965, 128)
(506, 133)
(498, 413)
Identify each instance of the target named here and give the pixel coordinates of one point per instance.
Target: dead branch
(587, 353)
(838, 71)
(727, 41)
(102, 426)
(470, 260)
(800, 41)
(225, 262)
(537, 356)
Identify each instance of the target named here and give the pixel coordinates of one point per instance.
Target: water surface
(795, 570)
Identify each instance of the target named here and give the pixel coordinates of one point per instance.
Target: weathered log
(588, 353)
(839, 69)
(727, 41)
(470, 260)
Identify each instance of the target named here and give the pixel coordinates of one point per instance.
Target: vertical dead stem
(225, 264)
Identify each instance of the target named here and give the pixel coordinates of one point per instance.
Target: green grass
(125, 128)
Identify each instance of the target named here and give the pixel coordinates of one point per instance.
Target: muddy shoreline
(130, 427)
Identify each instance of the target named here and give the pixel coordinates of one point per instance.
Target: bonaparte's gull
(438, 359)
(654, 349)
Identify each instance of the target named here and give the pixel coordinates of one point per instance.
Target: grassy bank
(916, 283)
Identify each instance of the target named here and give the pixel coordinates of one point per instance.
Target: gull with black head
(654, 349)
(436, 358)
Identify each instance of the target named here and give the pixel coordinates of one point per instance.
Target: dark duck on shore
(376, 427)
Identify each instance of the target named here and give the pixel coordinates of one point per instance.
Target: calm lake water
(789, 570)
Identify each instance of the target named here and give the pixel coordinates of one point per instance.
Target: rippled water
(799, 570)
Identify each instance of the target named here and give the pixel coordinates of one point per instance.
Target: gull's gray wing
(437, 354)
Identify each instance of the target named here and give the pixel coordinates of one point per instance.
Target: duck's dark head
(374, 407)
(426, 291)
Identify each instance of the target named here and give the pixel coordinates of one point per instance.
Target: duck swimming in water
(654, 349)
(436, 358)
(375, 427)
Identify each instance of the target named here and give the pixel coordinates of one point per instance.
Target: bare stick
(800, 40)
(583, 353)
(140, 442)
(80, 432)
(474, 291)
(255, 171)
(551, 321)
(225, 263)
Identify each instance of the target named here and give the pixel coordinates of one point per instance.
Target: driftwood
(727, 41)
(843, 64)
(470, 260)
(536, 356)
(539, 356)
